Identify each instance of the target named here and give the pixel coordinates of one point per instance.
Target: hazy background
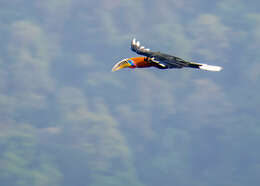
(67, 120)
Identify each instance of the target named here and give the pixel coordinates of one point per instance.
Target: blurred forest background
(67, 120)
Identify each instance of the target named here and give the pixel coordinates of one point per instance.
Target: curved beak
(120, 65)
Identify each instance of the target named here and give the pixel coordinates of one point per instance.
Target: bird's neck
(141, 62)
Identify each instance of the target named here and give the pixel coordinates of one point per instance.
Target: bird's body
(142, 62)
(158, 60)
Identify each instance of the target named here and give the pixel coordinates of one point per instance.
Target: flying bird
(158, 60)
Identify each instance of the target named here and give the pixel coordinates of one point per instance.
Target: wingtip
(134, 41)
(137, 47)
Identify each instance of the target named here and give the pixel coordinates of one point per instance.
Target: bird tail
(205, 66)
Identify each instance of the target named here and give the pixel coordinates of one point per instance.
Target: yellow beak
(120, 65)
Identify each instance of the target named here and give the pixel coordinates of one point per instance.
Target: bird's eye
(130, 61)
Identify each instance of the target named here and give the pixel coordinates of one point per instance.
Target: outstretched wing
(136, 47)
(168, 61)
(176, 62)
(160, 59)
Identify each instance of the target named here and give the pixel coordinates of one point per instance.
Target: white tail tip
(210, 67)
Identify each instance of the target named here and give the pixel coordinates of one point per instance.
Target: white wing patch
(162, 65)
(138, 45)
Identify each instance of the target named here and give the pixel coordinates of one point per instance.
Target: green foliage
(21, 161)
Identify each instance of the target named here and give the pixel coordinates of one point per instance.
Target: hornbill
(158, 60)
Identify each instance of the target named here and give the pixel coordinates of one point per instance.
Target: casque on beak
(121, 64)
